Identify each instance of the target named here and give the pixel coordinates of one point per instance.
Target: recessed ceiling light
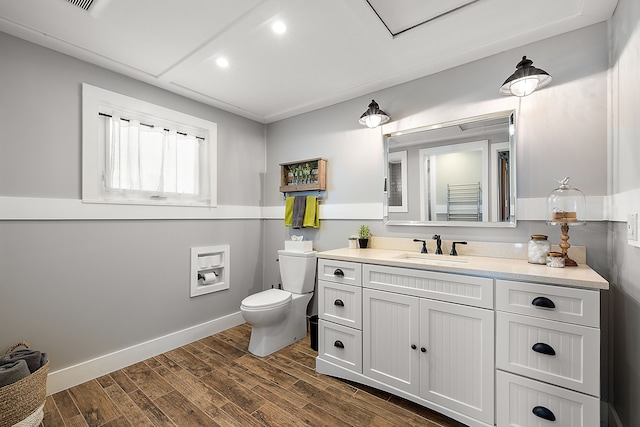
(279, 27)
(222, 62)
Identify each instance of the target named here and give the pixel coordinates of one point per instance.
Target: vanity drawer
(340, 303)
(573, 305)
(349, 273)
(559, 353)
(340, 345)
(516, 398)
(457, 288)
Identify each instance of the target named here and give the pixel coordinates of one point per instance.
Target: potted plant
(353, 241)
(363, 236)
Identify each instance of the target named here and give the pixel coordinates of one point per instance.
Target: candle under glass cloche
(566, 207)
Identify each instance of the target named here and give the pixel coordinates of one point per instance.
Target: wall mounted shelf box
(303, 175)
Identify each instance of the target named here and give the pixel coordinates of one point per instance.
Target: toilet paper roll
(209, 278)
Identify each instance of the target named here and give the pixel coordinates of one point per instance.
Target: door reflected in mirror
(455, 173)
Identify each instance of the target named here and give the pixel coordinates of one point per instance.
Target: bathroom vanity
(486, 341)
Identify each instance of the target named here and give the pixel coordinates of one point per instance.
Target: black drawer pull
(338, 302)
(338, 273)
(413, 347)
(422, 349)
(338, 344)
(543, 302)
(543, 348)
(542, 412)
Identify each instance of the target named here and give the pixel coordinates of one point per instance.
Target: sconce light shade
(525, 80)
(374, 116)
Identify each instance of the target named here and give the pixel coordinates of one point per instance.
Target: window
(140, 153)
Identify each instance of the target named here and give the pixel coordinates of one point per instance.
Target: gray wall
(83, 289)
(624, 343)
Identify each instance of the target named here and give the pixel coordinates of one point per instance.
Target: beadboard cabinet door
(390, 335)
(457, 357)
(443, 352)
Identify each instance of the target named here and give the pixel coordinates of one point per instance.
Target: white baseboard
(65, 378)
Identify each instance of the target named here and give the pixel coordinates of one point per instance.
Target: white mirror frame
(492, 166)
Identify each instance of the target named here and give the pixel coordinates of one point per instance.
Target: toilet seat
(271, 298)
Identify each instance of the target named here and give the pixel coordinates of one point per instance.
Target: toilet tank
(298, 271)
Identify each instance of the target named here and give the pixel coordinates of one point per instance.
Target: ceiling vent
(82, 4)
(400, 16)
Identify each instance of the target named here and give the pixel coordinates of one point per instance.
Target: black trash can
(313, 331)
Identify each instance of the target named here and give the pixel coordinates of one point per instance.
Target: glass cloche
(566, 205)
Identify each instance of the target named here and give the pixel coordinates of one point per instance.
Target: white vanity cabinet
(547, 355)
(465, 341)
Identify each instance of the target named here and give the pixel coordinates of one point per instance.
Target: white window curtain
(150, 159)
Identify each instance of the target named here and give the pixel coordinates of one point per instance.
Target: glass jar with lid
(538, 249)
(555, 259)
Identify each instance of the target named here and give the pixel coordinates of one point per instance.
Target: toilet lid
(270, 298)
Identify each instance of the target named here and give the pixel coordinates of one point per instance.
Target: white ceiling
(332, 51)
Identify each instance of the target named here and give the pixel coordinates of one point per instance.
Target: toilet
(278, 316)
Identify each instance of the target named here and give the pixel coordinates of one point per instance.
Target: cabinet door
(457, 358)
(391, 352)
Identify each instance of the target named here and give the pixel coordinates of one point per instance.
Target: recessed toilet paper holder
(201, 275)
(210, 269)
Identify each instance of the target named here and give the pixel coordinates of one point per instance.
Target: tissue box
(298, 246)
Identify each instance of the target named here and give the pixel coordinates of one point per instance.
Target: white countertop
(500, 268)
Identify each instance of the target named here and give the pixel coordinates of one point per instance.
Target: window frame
(96, 100)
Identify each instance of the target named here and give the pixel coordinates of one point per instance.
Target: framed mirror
(459, 173)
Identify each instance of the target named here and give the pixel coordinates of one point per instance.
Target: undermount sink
(432, 259)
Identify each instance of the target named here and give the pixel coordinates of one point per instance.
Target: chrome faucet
(424, 245)
(436, 237)
(453, 248)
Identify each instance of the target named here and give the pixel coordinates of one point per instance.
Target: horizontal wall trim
(370, 211)
(623, 204)
(599, 208)
(65, 378)
(34, 208)
(535, 209)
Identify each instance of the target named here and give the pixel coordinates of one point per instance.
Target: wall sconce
(525, 80)
(374, 116)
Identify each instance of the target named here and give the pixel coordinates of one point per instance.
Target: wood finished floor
(216, 382)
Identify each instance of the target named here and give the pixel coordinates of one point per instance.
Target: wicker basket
(22, 402)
